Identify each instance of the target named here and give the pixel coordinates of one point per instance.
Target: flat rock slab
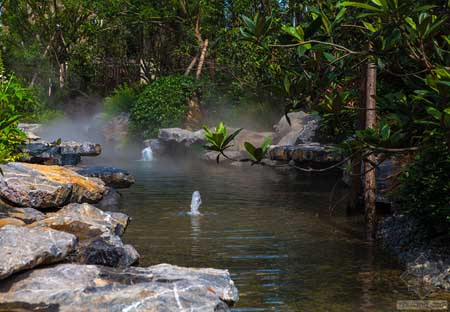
(64, 153)
(112, 177)
(23, 248)
(41, 187)
(85, 221)
(163, 288)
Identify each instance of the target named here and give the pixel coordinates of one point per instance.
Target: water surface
(272, 230)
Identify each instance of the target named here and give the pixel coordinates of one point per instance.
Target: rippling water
(272, 230)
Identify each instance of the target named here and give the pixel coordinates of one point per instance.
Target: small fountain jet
(195, 204)
(147, 154)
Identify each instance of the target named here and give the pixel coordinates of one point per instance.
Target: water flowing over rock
(41, 187)
(113, 177)
(23, 248)
(163, 288)
(85, 221)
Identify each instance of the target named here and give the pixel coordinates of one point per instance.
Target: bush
(122, 100)
(162, 104)
(425, 191)
(13, 97)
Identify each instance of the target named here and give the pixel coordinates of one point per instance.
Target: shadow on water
(272, 230)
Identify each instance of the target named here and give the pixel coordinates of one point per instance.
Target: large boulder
(23, 248)
(85, 221)
(181, 137)
(163, 288)
(301, 130)
(113, 177)
(41, 187)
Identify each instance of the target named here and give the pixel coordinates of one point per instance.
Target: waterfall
(195, 203)
(147, 154)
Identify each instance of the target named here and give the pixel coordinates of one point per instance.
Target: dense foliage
(162, 104)
(11, 93)
(425, 191)
(121, 101)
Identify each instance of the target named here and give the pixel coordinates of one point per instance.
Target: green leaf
(266, 144)
(330, 57)
(411, 22)
(361, 5)
(251, 150)
(369, 26)
(385, 131)
(434, 112)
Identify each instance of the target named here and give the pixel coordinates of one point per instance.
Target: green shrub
(425, 191)
(13, 97)
(162, 104)
(122, 100)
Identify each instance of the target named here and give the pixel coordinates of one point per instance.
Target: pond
(273, 230)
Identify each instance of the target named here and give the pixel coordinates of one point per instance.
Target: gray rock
(85, 221)
(27, 215)
(66, 153)
(111, 199)
(313, 152)
(31, 130)
(181, 136)
(41, 187)
(302, 130)
(113, 177)
(23, 248)
(107, 250)
(163, 288)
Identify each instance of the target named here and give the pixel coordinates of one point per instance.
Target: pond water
(272, 230)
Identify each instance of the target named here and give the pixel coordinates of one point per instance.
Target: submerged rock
(41, 187)
(85, 221)
(164, 288)
(23, 248)
(113, 177)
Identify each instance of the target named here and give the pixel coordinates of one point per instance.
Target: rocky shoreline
(61, 252)
(426, 258)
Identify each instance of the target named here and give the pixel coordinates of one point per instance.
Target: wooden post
(370, 176)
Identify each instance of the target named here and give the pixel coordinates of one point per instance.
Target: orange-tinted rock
(39, 186)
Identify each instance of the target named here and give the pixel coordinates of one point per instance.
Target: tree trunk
(62, 75)
(191, 65)
(370, 176)
(202, 59)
